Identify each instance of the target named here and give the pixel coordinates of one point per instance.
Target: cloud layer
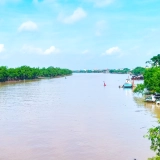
(28, 26)
(1, 48)
(77, 15)
(112, 51)
(51, 50)
(36, 50)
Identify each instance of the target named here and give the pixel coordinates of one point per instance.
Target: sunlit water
(74, 119)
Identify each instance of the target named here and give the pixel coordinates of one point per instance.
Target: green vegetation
(26, 72)
(155, 61)
(151, 77)
(140, 88)
(154, 136)
(138, 71)
(120, 71)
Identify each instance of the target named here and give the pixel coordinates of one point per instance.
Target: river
(76, 118)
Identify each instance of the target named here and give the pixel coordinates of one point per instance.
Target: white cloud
(28, 26)
(100, 27)
(112, 51)
(1, 48)
(85, 51)
(51, 50)
(77, 15)
(101, 3)
(36, 50)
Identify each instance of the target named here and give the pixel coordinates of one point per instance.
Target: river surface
(76, 118)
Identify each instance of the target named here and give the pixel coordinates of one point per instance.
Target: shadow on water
(14, 83)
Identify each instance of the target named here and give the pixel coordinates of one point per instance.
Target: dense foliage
(140, 88)
(138, 71)
(151, 77)
(26, 72)
(120, 71)
(154, 136)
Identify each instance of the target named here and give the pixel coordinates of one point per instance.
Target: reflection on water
(74, 118)
(151, 106)
(128, 91)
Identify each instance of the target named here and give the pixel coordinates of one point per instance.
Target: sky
(79, 34)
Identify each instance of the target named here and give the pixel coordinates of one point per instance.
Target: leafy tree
(155, 61)
(138, 71)
(26, 72)
(3, 73)
(154, 136)
(152, 79)
(140, 88)
(151, 76)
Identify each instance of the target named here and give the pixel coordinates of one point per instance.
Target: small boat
(150, 99)
(139, 77)
(127, 84)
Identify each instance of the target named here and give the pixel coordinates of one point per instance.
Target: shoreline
(39, 78)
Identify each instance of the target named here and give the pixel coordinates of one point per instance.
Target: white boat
(127, 84)
(150, 99)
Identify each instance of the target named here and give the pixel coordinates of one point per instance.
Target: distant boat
(139, 77)
(150, 99)
(127, 84)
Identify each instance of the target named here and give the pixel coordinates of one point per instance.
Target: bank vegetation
(26, 72)
(151, 77)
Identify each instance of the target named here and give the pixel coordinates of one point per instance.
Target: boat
(138, 77)
(157, 95)
(127, 84)
(150, 99)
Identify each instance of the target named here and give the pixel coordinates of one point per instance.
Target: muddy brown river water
(74, 119)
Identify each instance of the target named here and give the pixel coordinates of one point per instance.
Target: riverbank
(30, 80)
(26, 72)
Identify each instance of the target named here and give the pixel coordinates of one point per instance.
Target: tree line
(119, 71)
(26, 72)
(136, 71)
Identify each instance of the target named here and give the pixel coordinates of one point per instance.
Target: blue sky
(79, 34)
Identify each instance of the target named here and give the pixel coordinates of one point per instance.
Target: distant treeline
(119, 71)
(26, 72)
(88, 71)
(136, 71)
